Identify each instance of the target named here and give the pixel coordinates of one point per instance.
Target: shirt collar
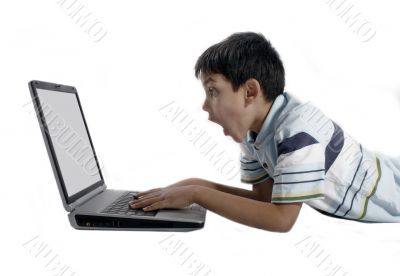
(267, 126)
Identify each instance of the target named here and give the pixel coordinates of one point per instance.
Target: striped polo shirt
(312, 160)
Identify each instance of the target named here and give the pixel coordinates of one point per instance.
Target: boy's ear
(252, 89)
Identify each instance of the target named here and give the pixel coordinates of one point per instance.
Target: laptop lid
(68, 142)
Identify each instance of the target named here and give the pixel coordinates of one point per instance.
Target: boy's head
(242, 75)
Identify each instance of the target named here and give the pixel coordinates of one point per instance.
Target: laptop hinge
(88, 196)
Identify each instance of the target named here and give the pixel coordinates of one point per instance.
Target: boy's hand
(168, 197)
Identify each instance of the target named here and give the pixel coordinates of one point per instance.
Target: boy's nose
(205, 107)
(208, 113)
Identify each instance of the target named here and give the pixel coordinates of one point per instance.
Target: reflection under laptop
(91, 205)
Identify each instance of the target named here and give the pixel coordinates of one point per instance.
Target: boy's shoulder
(287, 118)
(302, 117)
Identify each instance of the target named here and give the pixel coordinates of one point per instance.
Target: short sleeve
(300, 169)
(251, 171)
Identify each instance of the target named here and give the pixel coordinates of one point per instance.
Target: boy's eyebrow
(208, 80)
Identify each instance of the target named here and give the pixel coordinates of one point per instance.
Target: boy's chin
(236, 138)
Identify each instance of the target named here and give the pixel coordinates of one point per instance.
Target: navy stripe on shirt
(249, 162)
(334, 147)
(297, 182)
(256, 169)
(352, 200)
(296, 142)
(348, 188)
(298, 172)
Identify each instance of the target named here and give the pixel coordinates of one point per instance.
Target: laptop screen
(70, 140)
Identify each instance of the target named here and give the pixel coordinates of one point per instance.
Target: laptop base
(93, 222)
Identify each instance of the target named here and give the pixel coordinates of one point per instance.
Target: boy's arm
(258, 193)
(253, 213)
(263, 190)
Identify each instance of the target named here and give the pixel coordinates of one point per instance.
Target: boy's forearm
(220, 187)
(253, 213)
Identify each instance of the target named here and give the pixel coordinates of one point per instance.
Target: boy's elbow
(288, 224)
(285, 218)
(279, 227)
(286, 227)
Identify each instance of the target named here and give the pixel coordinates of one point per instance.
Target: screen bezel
(58, 88)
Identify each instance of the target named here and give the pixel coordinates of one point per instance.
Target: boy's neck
(261, 116)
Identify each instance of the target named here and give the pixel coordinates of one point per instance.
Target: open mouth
(224, 129)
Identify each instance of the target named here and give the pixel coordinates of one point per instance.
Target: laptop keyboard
(121, 207)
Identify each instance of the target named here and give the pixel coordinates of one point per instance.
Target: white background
(146, 61)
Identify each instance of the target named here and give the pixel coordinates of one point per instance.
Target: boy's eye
(211, 92)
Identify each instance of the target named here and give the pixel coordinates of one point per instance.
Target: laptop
(91, 205)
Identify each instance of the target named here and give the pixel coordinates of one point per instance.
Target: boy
(290, 152)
